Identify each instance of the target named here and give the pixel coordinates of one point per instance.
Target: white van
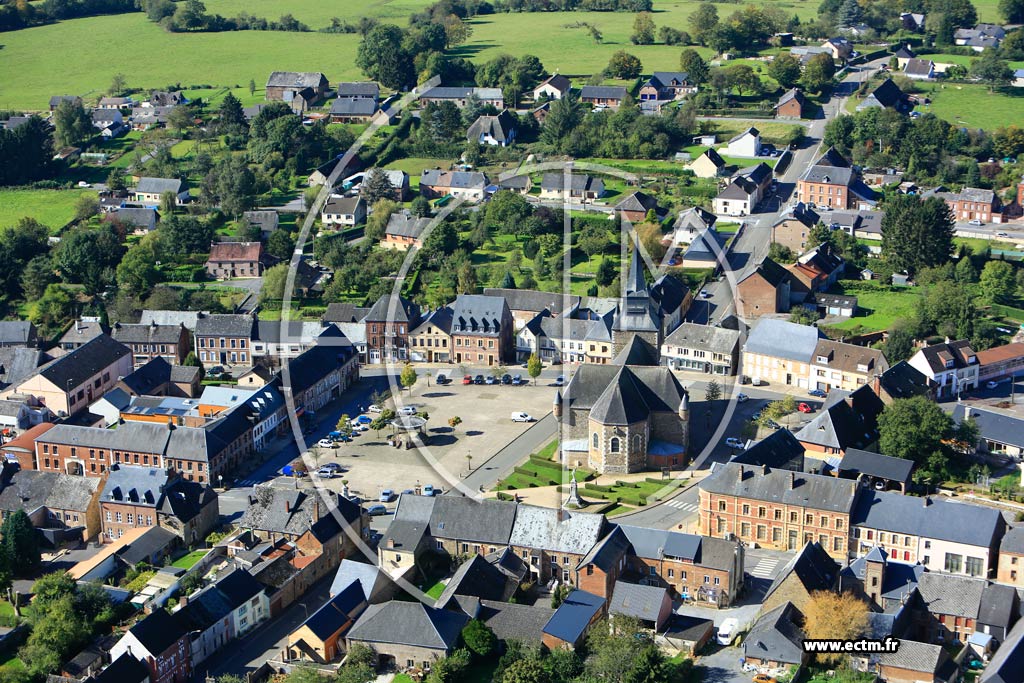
(727, 631)
(521, 417)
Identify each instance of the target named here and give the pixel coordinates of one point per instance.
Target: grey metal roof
(634, 600)
(556, 531)
(511, 621)
(808, 490)
(225, 325)
(603, 92)
(158, 185)
(776, 637)
(409, 623)
(574, 615)
(914, 656)
(1001, 428)
(469, 519)
(928, 517)
(953, 595)
(782, 339)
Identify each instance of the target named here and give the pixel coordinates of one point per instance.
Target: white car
(522, 417)
(975, 222)
(406, 410)
(375, 409)
(1001, 234)
(359, 427)
(325, 443)
(733, 442)
(992, 385)
(325, 473)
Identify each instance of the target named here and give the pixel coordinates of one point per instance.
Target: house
(582, 188)
(998, 432)
(835, 305)
(482, 330)
(1008, 662)
(466, 185)
(572, 620)
(876, 468)
(764, 291)
(651, 606)
(847, 367)
(776, 640)
(916, 662)
(848, 420)
(709, 164)
(972, 204)
(942, 535)
(950, 606)
(811, 570)
(779, 450)
(520, 184)
(294, 87)
(902, 381)
(321, 638)
(477, 578)
(497, 131)
(552, 88)
(108, 121)
(407, 537)
(124, 669)
(690, 225)
(403, 231)
(407, 634)
(885, 584)
(170, 342)
(887, 95)
(134, 496)
(953, 366)
(149, 191)
(738, 198)
(353, 110)
(860, 224)
(777, 509)
(780, 352)
(525, 304)
(1000, 362)
(56, 100)
(840, 48)
(667, 85)
(63, 507)
(459, 526)
(144, 117)
(320, 374)
(744, 144)
(156, 378)
(832, 182)
(511, 621)
(388, 324)
(264, 221)
(814, 271)
(1018, 78)
(227, 609)
(431, 341)
(70, 383)
(1010, 569)
(343, 211)
(224, 339)
(912, 21)
(134, 220)
(555, 541)
(791, 105)
(610, 96)
(461, 95)
(686, 635)
(159, 642)
(229, 260)
(793, 227)
(702, 348)
(981, 37)
(635, 206)
(919, 69)
(371, 580)
(399, 182)
(17, 333)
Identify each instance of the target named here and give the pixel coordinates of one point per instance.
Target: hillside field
(973, 105)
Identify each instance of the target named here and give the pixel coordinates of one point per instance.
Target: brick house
(387, 330)
(235, 259)
(610, 96)
(634, 207)
(320, 374)
(53, 501)
(404, 635)
(916, 662)
(777, 509)
(791, 105)
(481, 331)
(667, 85)
(159, 642)
(170, 342)
(832, 182)
(776, 641)
(764, 291)
(225, 339)
(1010, 569)
(972, 204)
(465, 185)
(553, 542)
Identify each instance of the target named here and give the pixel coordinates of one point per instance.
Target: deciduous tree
(835, 616)
(916, 234)
(643, 29)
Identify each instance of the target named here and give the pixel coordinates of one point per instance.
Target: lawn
(52, 208)
(973, 105)
(635, 493)
(540, 470)
(878, 305)
(435, 590)
(771, 131)
(189, 561)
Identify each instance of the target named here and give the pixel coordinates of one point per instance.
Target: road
(502, 463)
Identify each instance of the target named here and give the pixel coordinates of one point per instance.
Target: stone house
(765, 291)
(170, 342)
(230, 260)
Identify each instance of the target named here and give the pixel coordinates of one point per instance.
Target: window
(746, 509)
(745, 530)
(117, 516)
(975, 566)
(792, 517)
(718, 581)
(777, 535)
(778, 515)
(596, 440)
(721, 506)
(108, 515)
(707, 579)
(762, 512)
(131, 518)
(927, 545)
(671, 573)
(614, 445)
(953, 563)
(652, 571)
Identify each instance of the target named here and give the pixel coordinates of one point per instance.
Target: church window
(614, 444)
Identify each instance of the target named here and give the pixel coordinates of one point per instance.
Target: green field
(973, 105)
(52, 208)
(878, 305)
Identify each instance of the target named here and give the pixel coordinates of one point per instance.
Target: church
(633, 414)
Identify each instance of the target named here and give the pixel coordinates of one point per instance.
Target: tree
(672, 36)
(275, 280)
(595, 34)
(703, 20)
(232, 184)
(694, 65)
(377, 186)
(617, 652)
(818, 72)
(180, 119)
(344, 425)
(605, 272)
(86, 206)
(479, 638)
(849, 14)
(37, 275)
(137, 272)
(377, 223)
(72, 124)
(533, 367)
(408, 377)
(526, 671)
(913, 428)
(991, 69)
(280, 244)
(169, 202)
(998, 282)
(1012, 11)
(780, 253)
(623, 65)
(382, 57)
(52, 309)
(117, 85)
(192, 361)
(835, 616)
(252, 86)
(454, 421)
(21, 543)
(899, 345)
(785, 69)
(116, 180)
(563, 117)
(643, 29)
(916, 234)
(88, 257)
(713, 391)
(421, 207)
(231, 116)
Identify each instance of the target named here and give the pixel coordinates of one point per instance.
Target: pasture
(52, 208)
(973, 105)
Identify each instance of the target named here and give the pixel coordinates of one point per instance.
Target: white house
(952, 365)
(553, 88)
(746, 144)
(347, 211)
(738, 199)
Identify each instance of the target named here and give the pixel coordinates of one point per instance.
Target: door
(789, 378)
(791, 544)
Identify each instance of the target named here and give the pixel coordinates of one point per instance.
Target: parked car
(467, 379)
(975, 222)
(742, 398)
(991, 384)
(804, 408)
(376, 510)
(517, 380)
(1001, 234)
(375, 409)
(387, 495)
(560, 380)
(506, 379)
(442, 379)
(479, 379)
(818, 393)
(325, 473)
(407, 410)
(772, 424)
(325, 443)
(429, 490)
(727, 631)
(705, 294)
(332, 466)
(522, 417)
(733, 442)
(490, 379)
(363, 420)
(360, 427)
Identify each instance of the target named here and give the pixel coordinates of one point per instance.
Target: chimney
(287, 505)
(739, 473)
(391, 543)
(764, 468)
(792, 480)
(183, 601)
(316, 507)
(926, 501)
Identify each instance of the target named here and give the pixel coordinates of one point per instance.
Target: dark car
(479, 379)
(817, 392)
(506, 379)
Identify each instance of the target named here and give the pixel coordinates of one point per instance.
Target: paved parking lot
(372, 464)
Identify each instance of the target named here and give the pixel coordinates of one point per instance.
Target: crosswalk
(765, 568)
(682, 505)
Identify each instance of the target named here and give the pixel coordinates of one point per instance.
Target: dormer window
(949, 363)
(823, 360)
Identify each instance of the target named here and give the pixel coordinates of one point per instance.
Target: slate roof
(1007, 664)
(1013, 541)
(410, 523)
(557, 81)
(903, 380)
(951, 595)
(17, 332)
(811, 490)
(776, 637)
(782, 339)
(31, 489)
(771, 272)
(960, 352)
(899, 579)
(405, 311)
(888, 94)
(409, 623)
(124, 669)
(993, 426)
(556, 531)
(705, 337)
(812, 566)
(919, 67)
(695, 218)
(999, 606)
(472, 520)
(186, 318)
(134, 217)
(841, 425)
(534, 300)
(401, 224)
(441, 318)
(577, 183)
(342, 205)
(225, 325)
(153, 541)
(478, 314)
(359, 89)
(81, 364)
(602, 92)
(291, 512)
(345, 313)
(624, 394)
(157, 632)
(458, 92)
(350, 572)
(511, 621)
(791, 94)
(18, 363)
(478, 578)
(501, 127)
(609, 551)
(708, 246)
(295, 79)
(146, 334)
(779, 450)
(634, 600)
(914, 656)
(341, 608)
(739, 188)
(465, 180)
(158, 185)
(313, 364)
(856, 461)
(637, 201)
(570, 620)
(928, 517)
(352, 106)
